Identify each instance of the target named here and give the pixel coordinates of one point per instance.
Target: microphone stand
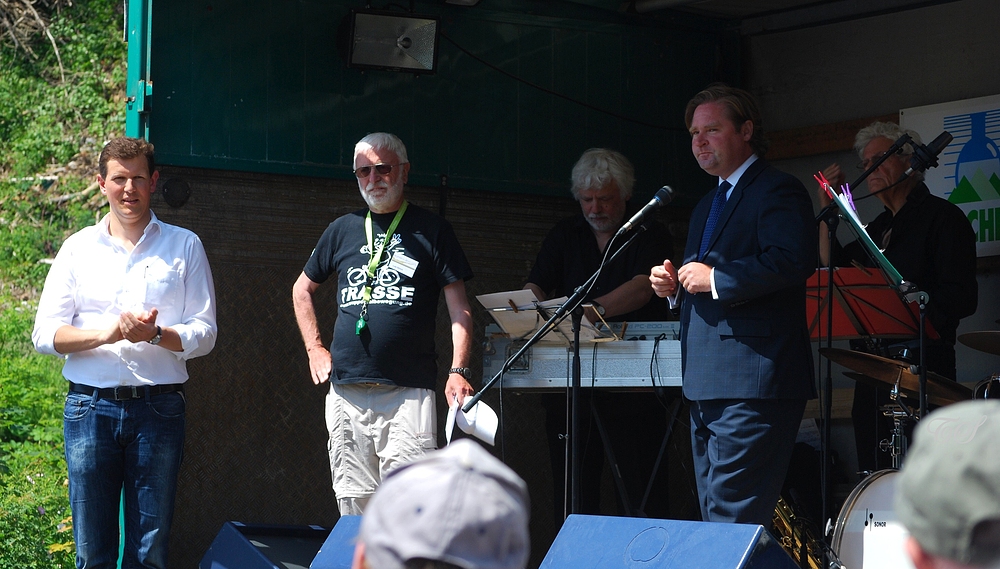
(831, 216)
(921, 298)
(573, 306)
(832, 219)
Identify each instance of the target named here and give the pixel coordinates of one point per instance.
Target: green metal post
(138, 86)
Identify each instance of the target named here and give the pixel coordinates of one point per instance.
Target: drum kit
(866, 533)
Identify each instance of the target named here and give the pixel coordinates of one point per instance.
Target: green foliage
(34, 505)
(44, 121)
(32, 228)
(50, 134)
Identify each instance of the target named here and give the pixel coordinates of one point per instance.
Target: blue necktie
(713, 217)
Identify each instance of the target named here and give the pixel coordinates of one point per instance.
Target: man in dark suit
(747, 363)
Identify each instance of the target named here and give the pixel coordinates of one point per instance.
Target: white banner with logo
(968, 172)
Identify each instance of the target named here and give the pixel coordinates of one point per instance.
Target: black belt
(126, 392)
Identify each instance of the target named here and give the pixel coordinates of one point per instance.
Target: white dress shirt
(93, 280)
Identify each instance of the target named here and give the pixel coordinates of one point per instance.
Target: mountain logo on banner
(977, 168)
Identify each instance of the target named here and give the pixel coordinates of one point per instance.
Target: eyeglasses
(382, 169)
(866, 163)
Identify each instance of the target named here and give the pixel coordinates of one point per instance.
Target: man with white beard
(635, 422)
(392, 260)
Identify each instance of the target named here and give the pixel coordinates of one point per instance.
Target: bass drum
(867, 534)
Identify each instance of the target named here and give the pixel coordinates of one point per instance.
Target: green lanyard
(373, 262)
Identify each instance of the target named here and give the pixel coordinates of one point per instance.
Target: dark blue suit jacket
(752, 343)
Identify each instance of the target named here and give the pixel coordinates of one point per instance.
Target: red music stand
(865, 306)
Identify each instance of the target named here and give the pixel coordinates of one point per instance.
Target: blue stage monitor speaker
(338, 549)
(245, 546)
(604, 542)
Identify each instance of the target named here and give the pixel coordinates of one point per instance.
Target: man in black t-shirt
(392, 261)
(635, 422)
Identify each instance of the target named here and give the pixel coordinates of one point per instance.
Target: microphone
(663, 196)
(925, 157)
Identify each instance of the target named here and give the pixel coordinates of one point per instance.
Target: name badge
(403, 264)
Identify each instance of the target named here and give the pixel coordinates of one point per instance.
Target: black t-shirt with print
(422, 256)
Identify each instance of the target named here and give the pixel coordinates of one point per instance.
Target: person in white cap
(948, 495)
(455, 508)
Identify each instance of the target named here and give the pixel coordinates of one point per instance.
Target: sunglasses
(382, 169)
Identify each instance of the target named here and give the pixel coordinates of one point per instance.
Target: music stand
(865, 305)
(907, 291)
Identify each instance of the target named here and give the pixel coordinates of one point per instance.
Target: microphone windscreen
(664, 195)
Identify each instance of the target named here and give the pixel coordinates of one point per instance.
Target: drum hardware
(985, 341)
(988, 388)
(896, 445)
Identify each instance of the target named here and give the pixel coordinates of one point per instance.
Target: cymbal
(986, 341)
(913, 395)
(940, 389)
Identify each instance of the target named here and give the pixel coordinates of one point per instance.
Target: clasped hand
(694, 277)
(139, 327)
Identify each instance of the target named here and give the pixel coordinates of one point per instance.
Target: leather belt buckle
(126, 392)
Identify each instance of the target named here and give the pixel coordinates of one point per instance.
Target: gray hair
(889, 131)
(382, 141)
(598, 166)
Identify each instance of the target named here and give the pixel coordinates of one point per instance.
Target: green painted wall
(259, 85)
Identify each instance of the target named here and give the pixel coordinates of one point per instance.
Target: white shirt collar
(153, 222)
(734, 178)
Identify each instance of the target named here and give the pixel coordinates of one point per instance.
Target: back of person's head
(890, 131)
(428, 564)
(740, 107)
(458, 507)
(383, 141)
(125, 148)
(599, 166)
(948, 494)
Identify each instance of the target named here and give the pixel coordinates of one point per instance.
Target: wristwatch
(156, 339)
(462, 371)
(597, 307)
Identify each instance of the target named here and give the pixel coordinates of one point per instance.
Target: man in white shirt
(126, 303)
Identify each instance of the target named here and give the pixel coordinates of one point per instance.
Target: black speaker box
(244, 546)
(605, 542)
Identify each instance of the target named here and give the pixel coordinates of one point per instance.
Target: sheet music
(847, 212)
(519, 314)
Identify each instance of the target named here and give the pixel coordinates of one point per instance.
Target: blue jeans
(137, 444)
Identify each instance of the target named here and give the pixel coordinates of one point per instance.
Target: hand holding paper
(480, 422)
